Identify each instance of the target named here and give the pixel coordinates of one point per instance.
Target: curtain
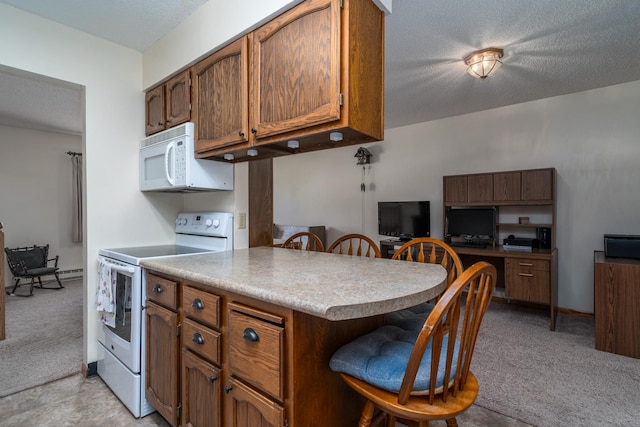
(76, 161)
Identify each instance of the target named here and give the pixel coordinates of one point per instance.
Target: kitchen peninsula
(258, 326)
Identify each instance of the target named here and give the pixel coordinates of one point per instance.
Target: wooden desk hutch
(529, 276)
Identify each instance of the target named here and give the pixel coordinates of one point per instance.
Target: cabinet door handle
(525, 264)
(157, 289)
(250, 334)
(197, 338)
(525, 274)
(253, 130)
(227, 389)
(197, 304)
(212, 379)
(241, 134)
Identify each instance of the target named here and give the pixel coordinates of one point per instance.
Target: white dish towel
(105, 295)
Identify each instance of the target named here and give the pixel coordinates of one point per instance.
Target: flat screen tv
(471, 223)
(404, 220)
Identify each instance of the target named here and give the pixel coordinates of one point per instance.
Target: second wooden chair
(355, 244)
(304, 241)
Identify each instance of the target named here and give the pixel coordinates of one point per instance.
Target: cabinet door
(178, 99)
(296, 69)
(201, 392)
(455, 189)
(480, 187)
(221, 97)
(162, 369)
(537, 185)
(154, 109)
(506, 186)
(245, 407)
(528, 280)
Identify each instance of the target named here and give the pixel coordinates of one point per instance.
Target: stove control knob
(216, 223)
(208, 222)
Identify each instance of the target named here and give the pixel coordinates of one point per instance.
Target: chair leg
(15, 286)
(452, 422)
(31, 287)
(58, 280)
(367, 414)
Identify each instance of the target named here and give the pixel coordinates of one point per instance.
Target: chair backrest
(433, 251)
(451, 332)
(355, 244)
(304, 241)
(22, 259)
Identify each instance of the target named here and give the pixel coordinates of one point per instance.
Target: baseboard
(90, 370)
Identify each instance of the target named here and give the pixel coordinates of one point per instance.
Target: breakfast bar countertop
(329, 286)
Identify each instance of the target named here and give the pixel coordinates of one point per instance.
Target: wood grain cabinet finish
(507, 186)
(480, 187)
(246, 407)
(455, 189)
(201, 392)
(617, 304)
(168, 104)
(162, 370)
(163, 291)
(538, 185)
(527, 280)
(220, 93)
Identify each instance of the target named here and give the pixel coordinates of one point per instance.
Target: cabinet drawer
(201, 306)
(201, 340)
(525, 265)
(256, 350)
(162, 291)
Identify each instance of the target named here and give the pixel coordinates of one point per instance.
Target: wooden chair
(355, 244)
(304, 240)
(430, 250)
(420, 376)
(31, 263)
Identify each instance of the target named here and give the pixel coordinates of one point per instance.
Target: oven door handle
(122, 269)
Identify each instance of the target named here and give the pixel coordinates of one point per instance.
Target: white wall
(116, 212)
(590, 137)
(35, 192)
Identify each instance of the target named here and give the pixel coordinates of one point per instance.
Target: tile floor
(88, 402)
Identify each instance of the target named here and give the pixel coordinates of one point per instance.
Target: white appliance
(121, 349)
(167, 163)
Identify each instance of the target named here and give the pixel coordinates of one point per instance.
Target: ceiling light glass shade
(484, 63)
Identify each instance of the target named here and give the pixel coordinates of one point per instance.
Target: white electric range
(121, 348)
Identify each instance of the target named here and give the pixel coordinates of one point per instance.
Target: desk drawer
(162, 291)
(526, 264)
(201, 340)
(201, 306)
(256, 349)
(528, 280)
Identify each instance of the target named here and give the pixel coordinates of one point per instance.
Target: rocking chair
(31, 263)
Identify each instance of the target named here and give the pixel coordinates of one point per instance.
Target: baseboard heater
(66, 275)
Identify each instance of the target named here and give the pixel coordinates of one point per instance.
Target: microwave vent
(167, 135)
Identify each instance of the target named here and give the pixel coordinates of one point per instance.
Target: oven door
(124, 340)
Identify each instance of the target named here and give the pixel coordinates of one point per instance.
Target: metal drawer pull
(157, 289)
(227, 389)
(212, 379)
(526, 264)
(197, 304)
(197, 338)
(250, 334)
(525, 274)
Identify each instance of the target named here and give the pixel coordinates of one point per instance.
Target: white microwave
(167, 163)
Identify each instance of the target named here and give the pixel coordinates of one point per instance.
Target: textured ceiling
(551, 48)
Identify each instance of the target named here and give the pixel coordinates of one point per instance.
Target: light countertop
(330, 286)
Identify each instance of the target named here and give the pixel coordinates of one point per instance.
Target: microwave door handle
(169, 163)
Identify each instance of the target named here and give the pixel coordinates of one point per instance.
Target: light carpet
(43, 337)
(547, 378)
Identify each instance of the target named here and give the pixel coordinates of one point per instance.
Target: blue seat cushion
(411, 318)
(380, 358)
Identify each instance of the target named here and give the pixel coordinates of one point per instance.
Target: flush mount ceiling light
(483, 63)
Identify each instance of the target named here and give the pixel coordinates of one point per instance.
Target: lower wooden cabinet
(162, 368)
(246, 407)
(201, 392)
(528, 280)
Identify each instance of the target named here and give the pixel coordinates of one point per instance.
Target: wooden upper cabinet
(178, 99)
(296, 69)
(538, 185)
(455, 189)
(221, 98)
(506, 186)
(480, 187)
(168, 104)
(154, 108)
